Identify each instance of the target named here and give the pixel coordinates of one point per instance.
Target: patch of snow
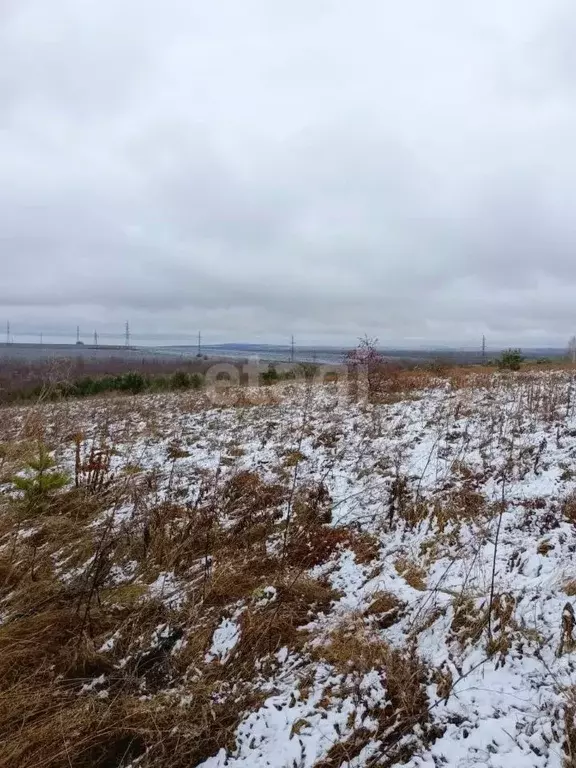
(224, 640)
(167, 589)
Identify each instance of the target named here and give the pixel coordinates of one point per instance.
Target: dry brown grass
(48, 653)
(569, 743)
(386, 609)
(568, 508)
(225, 547)
(52, 630)
(412, 573)
(469, 621)
(545, 547)
(48, 646)
(352, 649)
(49, 638)
(231, 580)
(266, 630)
(87, 732)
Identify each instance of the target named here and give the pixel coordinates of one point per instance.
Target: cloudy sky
(318, 167)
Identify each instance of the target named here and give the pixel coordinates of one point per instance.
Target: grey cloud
(321, 168)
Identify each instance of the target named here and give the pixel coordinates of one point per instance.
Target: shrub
(42, 481)
(271, 375)
(86, 386)
(132, 382)
(108, 383)
(180, 380)
(160, 383)
(309, 370)
(511, 359)
(366, 359)
(366, 355)
(438, 366)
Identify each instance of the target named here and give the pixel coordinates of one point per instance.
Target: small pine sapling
(41, 482)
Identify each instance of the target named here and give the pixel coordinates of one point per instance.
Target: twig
(502, 506)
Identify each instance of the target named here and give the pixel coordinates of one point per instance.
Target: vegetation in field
(313, 578)
(511, 359)
(75, 379)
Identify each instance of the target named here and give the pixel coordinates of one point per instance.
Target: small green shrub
(309, 370)
(180, 380)
(159, 383)
(511, 359)
(270, 375)
(42, 482)
(132, 382)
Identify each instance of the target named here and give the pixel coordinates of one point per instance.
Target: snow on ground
(225, 637)
(501, 458)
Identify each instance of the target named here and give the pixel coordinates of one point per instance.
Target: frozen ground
(466, 496)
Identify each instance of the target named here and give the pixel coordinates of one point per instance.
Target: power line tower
(77, 334)
(127, 334)
(8, 332)
(292, 349)
(41, 339)
(199, 343)
(95, 338)
(483, 349)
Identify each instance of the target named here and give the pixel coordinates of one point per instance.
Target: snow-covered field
(432, 627)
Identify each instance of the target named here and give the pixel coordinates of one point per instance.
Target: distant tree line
(61, 378)
(132, 382)
(84, 378)
(21, 380)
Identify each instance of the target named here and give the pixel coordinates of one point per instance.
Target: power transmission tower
(199, 344)
(95, 338)
(483, 349)
(77, 334)
(41, 338)
(292, 349)
(8, 332)
(127, 334)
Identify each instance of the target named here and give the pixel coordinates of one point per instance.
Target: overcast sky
(318, 167)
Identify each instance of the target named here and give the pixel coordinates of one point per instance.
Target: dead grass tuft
(569, 717)
(403, 720)
(278, 624)
(469, 621)
(545, 547)
(386, 609)
(231, 579)
(353, 647)
(411, 573)
(568, 507)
